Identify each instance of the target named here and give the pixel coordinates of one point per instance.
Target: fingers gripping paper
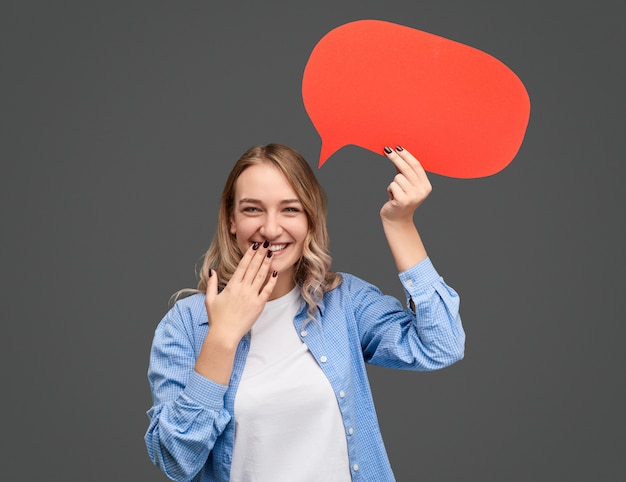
(370, 83)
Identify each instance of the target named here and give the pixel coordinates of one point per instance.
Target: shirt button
(350, 430)
(323, 359)
(409, 282)
(304, 333)
(355, 467)
(342, 394)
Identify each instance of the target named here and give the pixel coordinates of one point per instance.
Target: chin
(284, 270)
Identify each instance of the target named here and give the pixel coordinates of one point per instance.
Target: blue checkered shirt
(191, 432)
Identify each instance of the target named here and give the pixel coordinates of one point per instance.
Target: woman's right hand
(233, 311)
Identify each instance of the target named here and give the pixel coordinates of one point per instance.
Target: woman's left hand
(409, 188)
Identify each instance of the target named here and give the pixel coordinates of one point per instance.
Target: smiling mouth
(275, 247)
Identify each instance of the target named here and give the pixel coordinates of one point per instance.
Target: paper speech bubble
(370, 83)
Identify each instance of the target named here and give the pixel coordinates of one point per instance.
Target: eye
(250, 209)
(292, 209)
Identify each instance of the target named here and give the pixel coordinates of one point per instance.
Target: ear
(233, 229)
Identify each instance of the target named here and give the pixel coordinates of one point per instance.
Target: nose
(271, 227)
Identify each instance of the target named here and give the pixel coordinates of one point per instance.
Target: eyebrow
(258, 201)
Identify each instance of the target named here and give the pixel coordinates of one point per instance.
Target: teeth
(277, 247)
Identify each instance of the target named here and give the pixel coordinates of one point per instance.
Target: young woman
(260, 375)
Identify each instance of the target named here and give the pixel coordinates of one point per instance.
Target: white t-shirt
(288, 427)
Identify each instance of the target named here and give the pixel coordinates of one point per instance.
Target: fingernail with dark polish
(388, 150)
(269, 254)
(255, 246)
(210, 272)
(399, 148)
(266, 244)
(274, 274)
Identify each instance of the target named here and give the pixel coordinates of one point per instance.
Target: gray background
(119, 122)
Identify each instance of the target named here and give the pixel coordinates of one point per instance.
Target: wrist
(222, 340)
(398, 224)
(405, 243)
(216, 358)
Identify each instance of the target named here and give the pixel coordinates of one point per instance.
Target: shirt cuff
(419, 277)
(205, 391)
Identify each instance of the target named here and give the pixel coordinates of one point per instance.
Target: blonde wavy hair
(312, 272)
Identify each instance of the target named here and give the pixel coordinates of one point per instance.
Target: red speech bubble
(370, 83)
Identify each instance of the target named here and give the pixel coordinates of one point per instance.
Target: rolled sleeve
(427, 338)
(188, 413)
(206, 392)
(437, 315)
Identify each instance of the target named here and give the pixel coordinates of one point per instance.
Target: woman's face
(267, 208)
